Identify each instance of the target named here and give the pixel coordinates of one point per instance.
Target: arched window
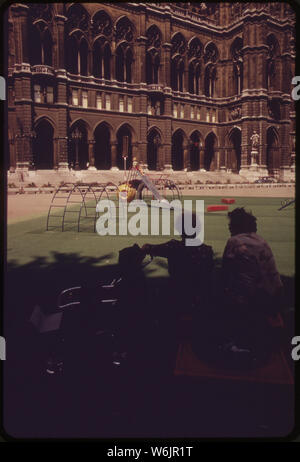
(209, 81)
(124, 59)
(72, 55)
(177, 62)
(107, 58)
(191, 78)
(83, 57)
(97, 59)
(77, 27)
(120, 64)
(194, 77)
(40, 44)
(124, 56)
(47, 48)
(194, 53)
(128, 65)
(36, 47)
(153, 54)
(101, 59)
(211, 56)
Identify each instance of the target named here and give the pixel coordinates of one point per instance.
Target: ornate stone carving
(41, 11)
(124, 30)
(178, 44)
(235, 113)
(153, 37)
(78, 18)
(195, 48)
(101, 24)
(211, 53)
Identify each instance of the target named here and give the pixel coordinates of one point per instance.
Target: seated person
(190, 269)
(252, 284)
(249, 268)
(236, 331)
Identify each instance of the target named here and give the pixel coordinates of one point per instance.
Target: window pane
(85, 99)
(182, 111)
(99, 101)
(198, 114)
(192, 112)
(75, 97)
(175, 110)
(107, 102)
(121, 104)
(37, 93)
(50, 97)
(129, 104)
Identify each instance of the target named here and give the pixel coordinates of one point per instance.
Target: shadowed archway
(124, 135)
(209, 152)
(153, 142)
(177, 150)
(102, 150)
(234, 161)
(43, 146)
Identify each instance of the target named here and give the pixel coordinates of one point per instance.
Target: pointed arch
(124, 131)
(78, 149)
(179, 140)
(102, 147)
(235, 151)
(42, 146)
(154, 140)
(195, 143)
(211, 143)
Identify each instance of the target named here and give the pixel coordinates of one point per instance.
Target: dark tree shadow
(147, 401)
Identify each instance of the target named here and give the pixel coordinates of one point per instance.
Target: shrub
(31, 185)
(12, 185)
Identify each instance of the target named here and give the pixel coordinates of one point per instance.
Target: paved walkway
(25, 206)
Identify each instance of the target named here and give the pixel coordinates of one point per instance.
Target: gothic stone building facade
(179, 86)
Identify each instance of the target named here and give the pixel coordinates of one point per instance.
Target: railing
(42, 69)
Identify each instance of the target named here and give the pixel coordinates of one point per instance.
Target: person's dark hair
(241, 221)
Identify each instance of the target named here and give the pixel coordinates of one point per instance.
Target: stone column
(113, 146)
(55, 153)
(62, 148)
(160, 157)
(91, 144)
(222, 159)
(217, 159)
(186, 161)
(167, 157)
(60, 53)
(12, 154)
(201, 159)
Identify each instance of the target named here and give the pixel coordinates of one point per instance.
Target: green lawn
(29, 241)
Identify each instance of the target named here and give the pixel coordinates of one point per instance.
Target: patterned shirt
(249, 266)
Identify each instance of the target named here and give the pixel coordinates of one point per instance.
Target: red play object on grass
(216, 208)
(227, 200)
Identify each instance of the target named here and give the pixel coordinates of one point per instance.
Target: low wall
(264, 190)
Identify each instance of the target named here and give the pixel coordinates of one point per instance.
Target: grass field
(29, 240)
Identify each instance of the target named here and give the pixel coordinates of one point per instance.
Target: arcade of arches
(106, 149)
